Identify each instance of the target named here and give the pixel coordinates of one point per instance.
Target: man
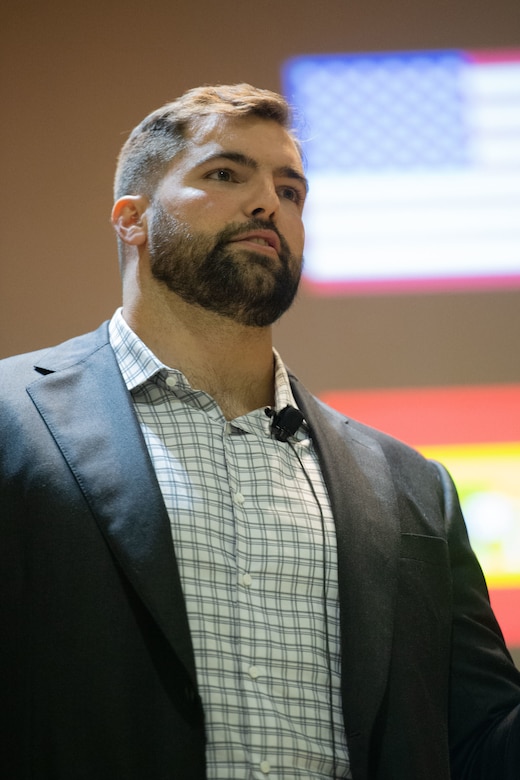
(197, 581)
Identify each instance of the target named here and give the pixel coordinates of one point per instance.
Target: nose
(263, 202)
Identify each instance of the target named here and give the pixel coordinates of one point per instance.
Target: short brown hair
(153, 144)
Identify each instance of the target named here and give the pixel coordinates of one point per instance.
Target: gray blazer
(98, 675)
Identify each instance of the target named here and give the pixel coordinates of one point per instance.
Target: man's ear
(128, 219)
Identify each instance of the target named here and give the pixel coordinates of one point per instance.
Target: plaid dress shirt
(255, 543)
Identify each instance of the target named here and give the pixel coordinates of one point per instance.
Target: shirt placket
(251, 543)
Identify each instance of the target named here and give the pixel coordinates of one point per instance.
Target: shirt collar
(138, 364)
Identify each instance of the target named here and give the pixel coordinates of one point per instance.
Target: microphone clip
(285, 423)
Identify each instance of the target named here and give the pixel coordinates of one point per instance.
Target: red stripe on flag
(491, 56)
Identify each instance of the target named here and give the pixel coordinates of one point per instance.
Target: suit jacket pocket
(430, 549)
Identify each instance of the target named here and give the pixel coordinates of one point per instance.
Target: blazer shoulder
(53, 358)
(20, 371)
(404, 461)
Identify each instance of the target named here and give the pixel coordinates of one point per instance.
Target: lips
(260, 238)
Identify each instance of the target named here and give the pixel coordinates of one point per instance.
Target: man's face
(225, 228)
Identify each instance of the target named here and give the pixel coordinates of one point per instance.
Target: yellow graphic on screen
(487, 479)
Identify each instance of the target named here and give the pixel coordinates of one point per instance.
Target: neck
(233, 363)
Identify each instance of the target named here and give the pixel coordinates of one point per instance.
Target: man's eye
(222, 174)
(291, 193)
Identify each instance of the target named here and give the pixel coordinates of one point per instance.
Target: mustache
(236, 229)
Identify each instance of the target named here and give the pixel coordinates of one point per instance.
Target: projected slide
(475, 433)
(414, 165)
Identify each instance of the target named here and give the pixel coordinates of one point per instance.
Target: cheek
(295, 236)
(198, 209)
(188, 202)
(302, 235)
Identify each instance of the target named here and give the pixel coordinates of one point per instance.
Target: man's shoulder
(19, 370)
(341, 422)
(323, 419)
(70, 350)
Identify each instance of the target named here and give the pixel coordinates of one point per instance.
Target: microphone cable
(325, 609)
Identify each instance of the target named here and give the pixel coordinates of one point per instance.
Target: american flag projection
(414, 164)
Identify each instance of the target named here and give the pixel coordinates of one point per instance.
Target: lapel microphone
(284, 423)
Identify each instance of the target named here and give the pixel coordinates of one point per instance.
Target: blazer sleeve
(484, 685)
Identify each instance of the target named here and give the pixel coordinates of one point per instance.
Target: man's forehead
(230, 133)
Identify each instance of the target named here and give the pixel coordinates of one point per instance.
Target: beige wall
(76, 77)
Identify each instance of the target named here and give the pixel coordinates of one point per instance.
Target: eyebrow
(249, 162)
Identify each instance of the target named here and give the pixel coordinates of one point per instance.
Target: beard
(244, 286)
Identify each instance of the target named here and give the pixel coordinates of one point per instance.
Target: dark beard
(247, 287)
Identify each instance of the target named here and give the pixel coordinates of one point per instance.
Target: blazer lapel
(365, 510)
(87, 408)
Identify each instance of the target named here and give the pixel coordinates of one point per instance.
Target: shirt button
(253, 672)
(247, 580)
(171, 381)
(265, 767)
(239, 499)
